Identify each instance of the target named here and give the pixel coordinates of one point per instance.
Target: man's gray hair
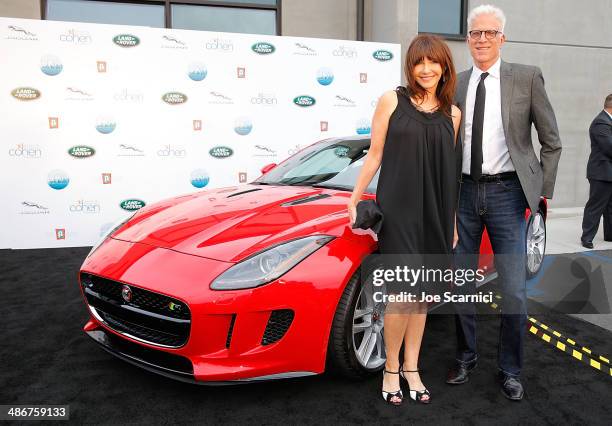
(608, 101)
(487, 9)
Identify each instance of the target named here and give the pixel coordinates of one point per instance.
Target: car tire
(342, 353)
(535, 243)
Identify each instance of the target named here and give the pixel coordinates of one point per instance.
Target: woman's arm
(380, 122)
(456, 114)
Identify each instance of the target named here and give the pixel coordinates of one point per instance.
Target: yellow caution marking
(595, 364)
(561, 346)
(587, 350)
(546, 338)
(556, 333)
(606, 360)
(571, 342)
(533, 329)
(532, 319)
(576, 354)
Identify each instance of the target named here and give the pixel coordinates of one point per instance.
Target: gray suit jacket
(523, 102)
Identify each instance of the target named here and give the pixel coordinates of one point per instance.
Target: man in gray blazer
(599, 174)
(500, 178)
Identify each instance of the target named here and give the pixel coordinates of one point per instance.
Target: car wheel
(536, 243)
(356, 346)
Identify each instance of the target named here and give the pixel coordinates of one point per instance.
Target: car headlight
(270, 264)
(112, 229)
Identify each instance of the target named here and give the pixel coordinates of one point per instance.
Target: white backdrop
(99, 119)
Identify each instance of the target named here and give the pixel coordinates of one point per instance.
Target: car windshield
(331, 163)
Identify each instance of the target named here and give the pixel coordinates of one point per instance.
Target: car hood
(232, 223)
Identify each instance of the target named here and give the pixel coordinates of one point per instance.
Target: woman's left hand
(455, 238)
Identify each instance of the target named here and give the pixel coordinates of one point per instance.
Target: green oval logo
(81, 151)
(26, 93)
(221, 152)
(304, 101)
(174, 98)
(126, 40)
(131, 205)
(263, 48)
(382, 55)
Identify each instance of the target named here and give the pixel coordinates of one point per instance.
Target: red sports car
(254, 282)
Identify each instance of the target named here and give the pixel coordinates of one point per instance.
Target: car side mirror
(265, 169)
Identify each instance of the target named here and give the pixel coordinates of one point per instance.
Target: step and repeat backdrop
(99, 120)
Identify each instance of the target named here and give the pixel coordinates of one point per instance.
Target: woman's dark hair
(434, 48)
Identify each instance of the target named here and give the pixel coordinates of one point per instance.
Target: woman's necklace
(420, 108)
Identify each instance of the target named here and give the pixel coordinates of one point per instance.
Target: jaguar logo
(126, 293)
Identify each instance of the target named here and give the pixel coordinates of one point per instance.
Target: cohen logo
(25, 151)
(304, 101)
(263, 48)
(76, 37)
(26, 93)
(81, 151)
(85, 206)
(131, 205)
(126, 40)
(174, 98)
(382, 55)
(221, 152)
(219, 44)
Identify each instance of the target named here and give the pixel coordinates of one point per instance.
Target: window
(241, 16)
(444, 17)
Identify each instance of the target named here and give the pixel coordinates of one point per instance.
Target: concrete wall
(29, 9)
(320, 18)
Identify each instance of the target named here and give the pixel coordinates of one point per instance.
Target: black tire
(341, 358)
(533, 272)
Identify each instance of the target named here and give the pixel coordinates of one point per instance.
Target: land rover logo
(382, 55)
(25, 93)
(126, 40)
(81, 151)
(131, 205)
(221, 152)
(174, 98)
(304, 101)
(263, 48)
(126, 293)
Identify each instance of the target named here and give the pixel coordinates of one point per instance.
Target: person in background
(599, 174)
(501, 178)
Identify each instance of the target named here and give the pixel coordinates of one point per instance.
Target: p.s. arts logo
(51, 65)
(130, 151)
(127, 95)
(362, 127)
(264, 151)
(304, 50)
(173, 151)
(132, 204)
(221, 152)
(29, 207)
(26, 93)
(344, 102)
(81, 151)
(85, 206)
(76, 94)
(172, 42)
(265, 99)
(219, 45)
(263, 48)
(219, 98)
(382, 55)
(174, 98)
(25, 151)
(199, 178)
(197, 71)
(325, 76)
(106, 125)
(126, 40)
(58, 179)
(304, 101)
(75, 37)
(344, 52)
(243, 126)
(20, 33)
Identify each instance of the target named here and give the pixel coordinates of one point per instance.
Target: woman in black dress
(413, 140)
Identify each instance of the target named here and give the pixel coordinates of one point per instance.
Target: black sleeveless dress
(417, 185)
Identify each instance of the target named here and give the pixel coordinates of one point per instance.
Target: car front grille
(145, 316)
(277, 326)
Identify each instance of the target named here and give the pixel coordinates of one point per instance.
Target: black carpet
(47, 359)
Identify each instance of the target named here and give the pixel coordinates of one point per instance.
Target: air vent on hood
(243, 192)
(305, 200)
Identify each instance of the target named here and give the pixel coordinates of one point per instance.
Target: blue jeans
(500, 207)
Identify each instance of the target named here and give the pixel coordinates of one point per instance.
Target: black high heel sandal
(414, 394)
(388, 396)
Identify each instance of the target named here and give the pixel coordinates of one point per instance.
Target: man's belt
(492, 178)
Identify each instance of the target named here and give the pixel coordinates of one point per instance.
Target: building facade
(570, 42)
